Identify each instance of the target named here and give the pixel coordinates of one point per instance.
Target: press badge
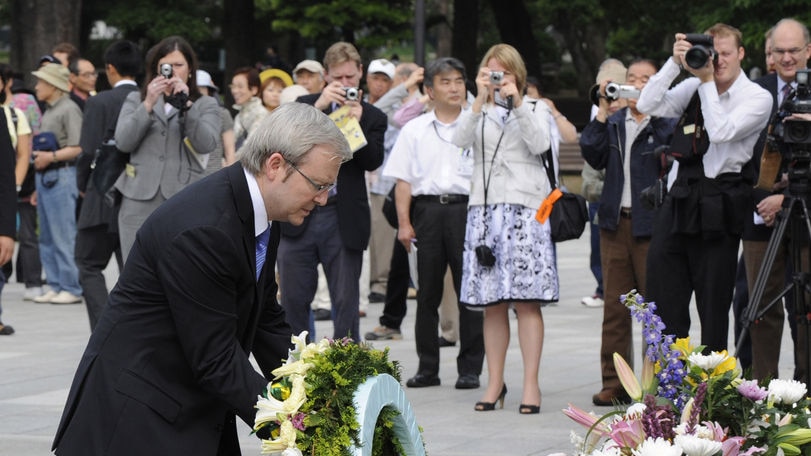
(129, 170)
(689, 129)
(466, 162)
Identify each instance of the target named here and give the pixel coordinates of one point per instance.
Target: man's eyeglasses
(793, 51)
(319, 188)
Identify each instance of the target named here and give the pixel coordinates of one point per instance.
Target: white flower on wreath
(708, 362)
(693, 445)
(657, 447)
(635, 411)
(286, 440)
(786, 391)
(272, 409)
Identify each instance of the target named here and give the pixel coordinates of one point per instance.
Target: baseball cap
(54, 74)
(310, 65)
(381, 66)
(204, 80)
(48, 58)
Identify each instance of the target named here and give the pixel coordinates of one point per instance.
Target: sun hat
(310, 65)
(276, 73)
(204, 80)
(54, 74)
(381, 66)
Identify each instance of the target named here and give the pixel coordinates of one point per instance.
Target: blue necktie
(784, 93)
(261, 250)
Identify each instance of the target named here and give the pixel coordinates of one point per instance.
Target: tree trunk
(241, 49)
(586, 45)
(515, 27)
(38, 25)
(465, 33)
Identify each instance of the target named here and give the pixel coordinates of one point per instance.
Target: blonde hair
(512, 61)
(339, 53)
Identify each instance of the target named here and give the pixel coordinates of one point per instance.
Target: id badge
(466, 163)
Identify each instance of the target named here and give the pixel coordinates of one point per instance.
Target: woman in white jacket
(509, 257)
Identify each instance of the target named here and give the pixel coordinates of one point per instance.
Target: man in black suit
(334, 235)
(97, 233)
(167, 368)
(790, 50)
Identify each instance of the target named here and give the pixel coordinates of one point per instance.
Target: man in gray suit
(97, 235)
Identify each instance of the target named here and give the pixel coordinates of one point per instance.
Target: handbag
(108, 164)
(566, 212)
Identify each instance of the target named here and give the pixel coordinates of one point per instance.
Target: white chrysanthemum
(635, 411)
(657, 447)
(786, 391)
(708, 362)
(610, 451)
(696, 446)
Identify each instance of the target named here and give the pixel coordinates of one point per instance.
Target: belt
(58, 165)
(625, 212)
(444, 198)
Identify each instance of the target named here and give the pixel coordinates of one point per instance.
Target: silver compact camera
(351, 93)
(614, 91)
(166, 70)
(496, 77)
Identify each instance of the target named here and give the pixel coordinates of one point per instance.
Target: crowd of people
(437, 189)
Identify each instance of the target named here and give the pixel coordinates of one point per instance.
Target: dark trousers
(29, 267)
(595, 263)
(740, 300)
(678, 265)
(94, 248)
(298, 259)
(394, 310)
(624, 262)
(440, 230)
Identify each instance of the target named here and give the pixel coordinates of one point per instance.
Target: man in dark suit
(166, 369)
(334, 235)
(790, 50)
(97, 233)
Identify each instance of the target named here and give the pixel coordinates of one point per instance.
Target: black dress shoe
(611, 396)
(322, 314)
(375, 297)
(467, 381)
(421, 381)
(445, 342)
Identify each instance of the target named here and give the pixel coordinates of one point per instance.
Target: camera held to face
(496, 78)
(166, 70)
(351, 93)
(702, 51)
(484, 255)
(613, 92)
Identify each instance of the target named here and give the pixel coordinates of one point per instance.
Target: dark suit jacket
(100, 117)
(354, 216)
(167, 368)
(8, 192)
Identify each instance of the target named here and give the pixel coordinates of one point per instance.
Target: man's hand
(405, 234)
(769, 207)
(414, 78)
(332, 93)
(6, 249)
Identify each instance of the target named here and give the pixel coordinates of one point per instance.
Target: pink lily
(587, 420)
(628, 434)
(627, 378)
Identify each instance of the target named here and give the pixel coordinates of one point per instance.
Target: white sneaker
(65, 297)
(31, 293)
(45, 297)
(592, 301)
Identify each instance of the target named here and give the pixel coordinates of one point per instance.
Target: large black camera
(798, 102)
(702, 51)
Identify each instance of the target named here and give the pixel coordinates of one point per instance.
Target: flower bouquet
(308, 407)
(689, 403)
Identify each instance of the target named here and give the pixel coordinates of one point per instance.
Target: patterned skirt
(525, 268)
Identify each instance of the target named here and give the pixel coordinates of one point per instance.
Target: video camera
(613, 91)
(797, 102)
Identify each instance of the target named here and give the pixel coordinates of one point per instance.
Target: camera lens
(697, 56)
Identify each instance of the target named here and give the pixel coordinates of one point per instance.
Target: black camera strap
(486, 177)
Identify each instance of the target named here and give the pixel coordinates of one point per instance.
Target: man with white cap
(56, 185)
(379, 76)
(310, 74)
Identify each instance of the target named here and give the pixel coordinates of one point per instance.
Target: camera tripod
(794, 219)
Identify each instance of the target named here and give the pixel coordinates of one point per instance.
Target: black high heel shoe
(526, 409)
(488, 406)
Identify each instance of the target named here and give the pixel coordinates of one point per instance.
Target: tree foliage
(367, 23)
